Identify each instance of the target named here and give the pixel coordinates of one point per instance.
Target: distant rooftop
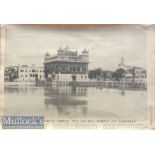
(122, 65)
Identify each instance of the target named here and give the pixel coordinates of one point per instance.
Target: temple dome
(47, 54)
(85, 52)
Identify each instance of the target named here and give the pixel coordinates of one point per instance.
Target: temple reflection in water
(67, 101)
(74, 102)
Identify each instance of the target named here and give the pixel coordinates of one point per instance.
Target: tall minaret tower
(121, 65)
(122, 61)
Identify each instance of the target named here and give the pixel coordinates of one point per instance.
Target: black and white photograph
(80, 76)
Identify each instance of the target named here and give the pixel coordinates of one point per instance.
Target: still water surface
(57, 102)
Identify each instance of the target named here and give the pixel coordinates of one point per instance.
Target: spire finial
(122, 61)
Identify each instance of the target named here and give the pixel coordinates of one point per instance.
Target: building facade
(30, 73)
(67, 65)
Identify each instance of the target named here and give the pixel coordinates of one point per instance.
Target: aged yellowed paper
(77, 76)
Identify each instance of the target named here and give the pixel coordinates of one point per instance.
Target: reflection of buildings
(16, 89)
(66, 101)
(67, 65)
(133, 72)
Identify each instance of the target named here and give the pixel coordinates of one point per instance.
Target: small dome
(47, 55)
(85, 51)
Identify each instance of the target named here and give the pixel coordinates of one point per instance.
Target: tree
(118, 74)
(96, 73)
(12, 74)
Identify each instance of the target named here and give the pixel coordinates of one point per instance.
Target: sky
(27, 44)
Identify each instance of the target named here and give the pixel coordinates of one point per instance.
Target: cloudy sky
(27, 44)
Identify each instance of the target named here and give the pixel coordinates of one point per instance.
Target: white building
(138, 73)
(30, 73)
